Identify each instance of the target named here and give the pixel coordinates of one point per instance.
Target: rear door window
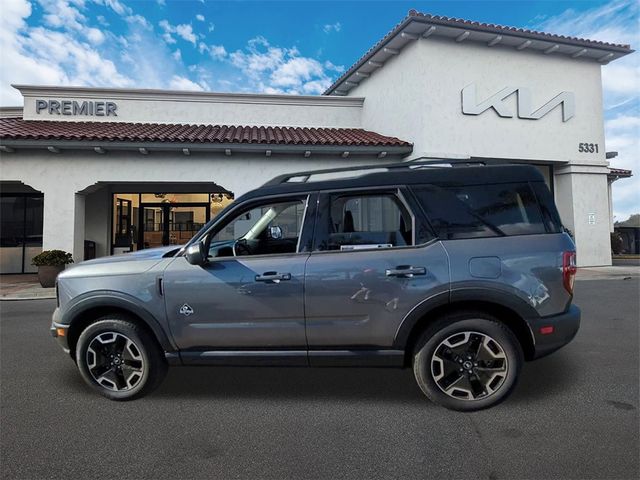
(355, 221)
(474, 211)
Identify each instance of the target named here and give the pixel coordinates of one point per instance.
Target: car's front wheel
(467, 361)
(119, 359)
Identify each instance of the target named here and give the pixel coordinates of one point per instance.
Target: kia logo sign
(525, 109)
(72, 107)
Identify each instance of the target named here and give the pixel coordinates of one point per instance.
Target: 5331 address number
(588, 147)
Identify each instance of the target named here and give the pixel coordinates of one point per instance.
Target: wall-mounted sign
(525, 109)
(73, 107)
(591, 218)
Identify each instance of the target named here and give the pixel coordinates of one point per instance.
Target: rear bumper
(565, 326)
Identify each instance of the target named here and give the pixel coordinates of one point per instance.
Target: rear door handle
(405, 271)
(273, 277)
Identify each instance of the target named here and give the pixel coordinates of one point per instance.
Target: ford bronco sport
(459, 272)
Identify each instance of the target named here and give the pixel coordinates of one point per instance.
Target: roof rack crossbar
(307, 174)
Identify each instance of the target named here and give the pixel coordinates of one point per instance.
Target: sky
(296, 47)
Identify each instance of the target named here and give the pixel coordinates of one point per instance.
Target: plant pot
(47, 275)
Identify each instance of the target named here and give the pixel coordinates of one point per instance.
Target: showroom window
(20, 231)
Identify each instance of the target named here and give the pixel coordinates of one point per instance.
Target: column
(582, 196)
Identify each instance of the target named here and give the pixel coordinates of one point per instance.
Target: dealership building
(97, 171)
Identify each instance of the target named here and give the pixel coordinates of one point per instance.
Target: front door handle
(273, 277)
(405, 271)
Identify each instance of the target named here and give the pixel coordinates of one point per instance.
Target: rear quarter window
(478, 211)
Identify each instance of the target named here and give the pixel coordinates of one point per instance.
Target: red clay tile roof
(620, 172)
(19, 129)
(478, 26)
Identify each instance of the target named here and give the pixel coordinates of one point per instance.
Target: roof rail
(304, 176)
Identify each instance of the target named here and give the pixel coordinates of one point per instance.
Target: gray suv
(459, 272)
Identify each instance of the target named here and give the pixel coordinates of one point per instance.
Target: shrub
(617, 243)
(52, 258)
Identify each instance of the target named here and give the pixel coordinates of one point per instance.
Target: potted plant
(50, 263)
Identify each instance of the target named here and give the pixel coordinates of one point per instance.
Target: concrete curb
(15, 299)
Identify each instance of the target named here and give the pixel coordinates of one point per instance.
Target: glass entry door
(170, 224)
(153, 231)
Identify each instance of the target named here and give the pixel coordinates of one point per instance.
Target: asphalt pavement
(573, 415)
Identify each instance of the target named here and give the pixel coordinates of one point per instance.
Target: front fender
(104, 299)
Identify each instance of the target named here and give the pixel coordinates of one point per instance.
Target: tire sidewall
(466, 323)
(124, 328)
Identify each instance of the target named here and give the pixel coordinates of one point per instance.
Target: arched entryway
(134, 216)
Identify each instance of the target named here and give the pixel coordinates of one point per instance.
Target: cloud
(200, 17)
(184, 31)
(614, 22)
(183, 83)
(334, 27)
(70, 42)
(273, 69)
(95, 36)
(218, 52)
(140, 20)
(212, 27)
(115, 5)
(54, 53)
(67, 49)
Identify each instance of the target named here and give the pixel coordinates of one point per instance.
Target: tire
(120, 360)
(486, 378)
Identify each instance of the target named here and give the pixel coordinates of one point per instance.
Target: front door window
(262, 230)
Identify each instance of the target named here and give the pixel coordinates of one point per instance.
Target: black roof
(397, 175)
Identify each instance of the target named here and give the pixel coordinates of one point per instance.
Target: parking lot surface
(574, 414)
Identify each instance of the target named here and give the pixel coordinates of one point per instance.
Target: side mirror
(195, 254)
(275, 232)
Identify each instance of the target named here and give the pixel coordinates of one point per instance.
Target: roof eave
(605, 52)
(207, 147)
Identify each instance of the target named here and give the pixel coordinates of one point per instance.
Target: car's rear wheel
(467, 361)
(119, 359)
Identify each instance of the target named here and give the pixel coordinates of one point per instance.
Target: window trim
(252, 203)
(396, 190)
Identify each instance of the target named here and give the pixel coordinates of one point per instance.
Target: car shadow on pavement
(539, 379)
(381, 384)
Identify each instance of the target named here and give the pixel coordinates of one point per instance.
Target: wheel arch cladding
(86, 316)
(409, 334)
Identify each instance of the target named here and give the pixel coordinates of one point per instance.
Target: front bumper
(565, 326)
(59, 331)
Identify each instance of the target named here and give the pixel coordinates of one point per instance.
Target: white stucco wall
(417, 95)
(149, 106)
(70, 217)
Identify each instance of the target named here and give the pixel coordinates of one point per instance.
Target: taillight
(568, 270)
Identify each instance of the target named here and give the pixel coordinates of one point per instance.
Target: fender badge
(185, 310)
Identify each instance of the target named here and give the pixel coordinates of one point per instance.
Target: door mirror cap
(195, 254)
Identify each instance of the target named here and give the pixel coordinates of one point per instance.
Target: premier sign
(73, 107)
(525, 109)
